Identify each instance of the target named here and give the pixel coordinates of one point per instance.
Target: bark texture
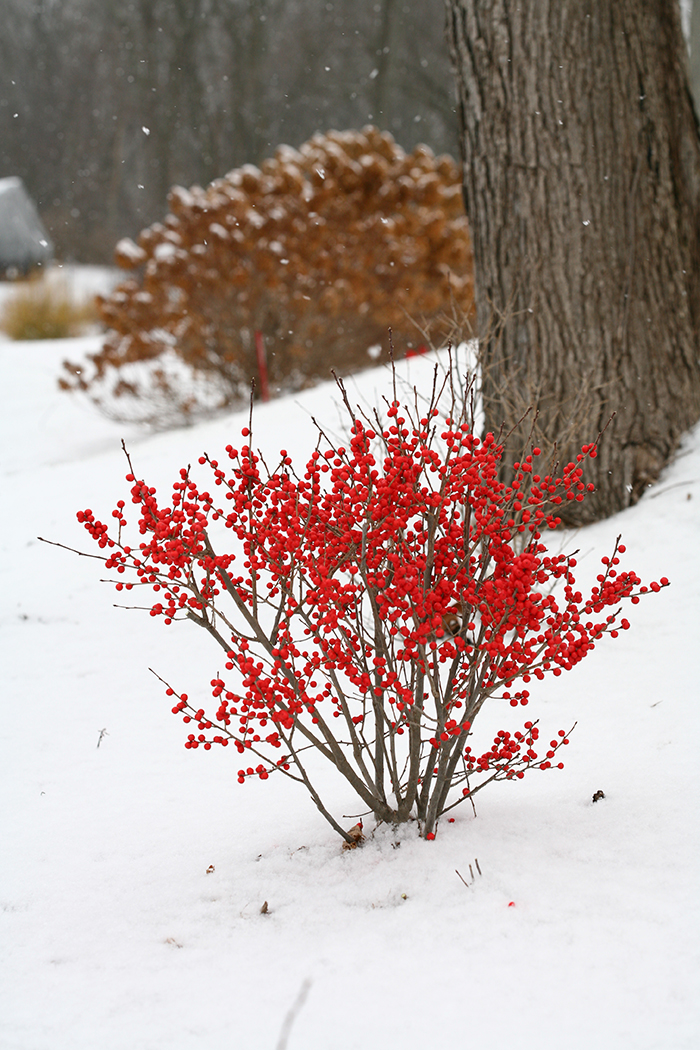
(582, 189)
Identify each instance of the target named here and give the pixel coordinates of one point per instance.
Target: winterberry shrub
(296, 267)
(370, 603)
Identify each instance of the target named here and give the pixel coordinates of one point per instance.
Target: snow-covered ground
(80, 282)
(132, 874)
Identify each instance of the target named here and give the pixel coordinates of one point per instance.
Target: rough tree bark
(582, 188)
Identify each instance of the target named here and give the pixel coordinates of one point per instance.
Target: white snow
(78, 283)
(128, 249)
(581, 933)
(165, 251)
(10, 184)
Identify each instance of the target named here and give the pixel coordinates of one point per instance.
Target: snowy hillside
(132, 874)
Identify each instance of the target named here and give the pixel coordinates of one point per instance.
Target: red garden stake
(261, 356)
(371, 602)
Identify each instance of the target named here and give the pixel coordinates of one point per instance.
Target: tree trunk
(582, 189)
(694, 45)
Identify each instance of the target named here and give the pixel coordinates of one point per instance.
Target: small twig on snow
(292, 1013)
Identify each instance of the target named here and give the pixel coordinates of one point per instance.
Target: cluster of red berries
(510, 754)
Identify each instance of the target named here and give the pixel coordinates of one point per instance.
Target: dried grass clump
(45, 309)
(321, 250)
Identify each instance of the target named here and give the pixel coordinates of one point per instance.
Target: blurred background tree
(106, 104)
